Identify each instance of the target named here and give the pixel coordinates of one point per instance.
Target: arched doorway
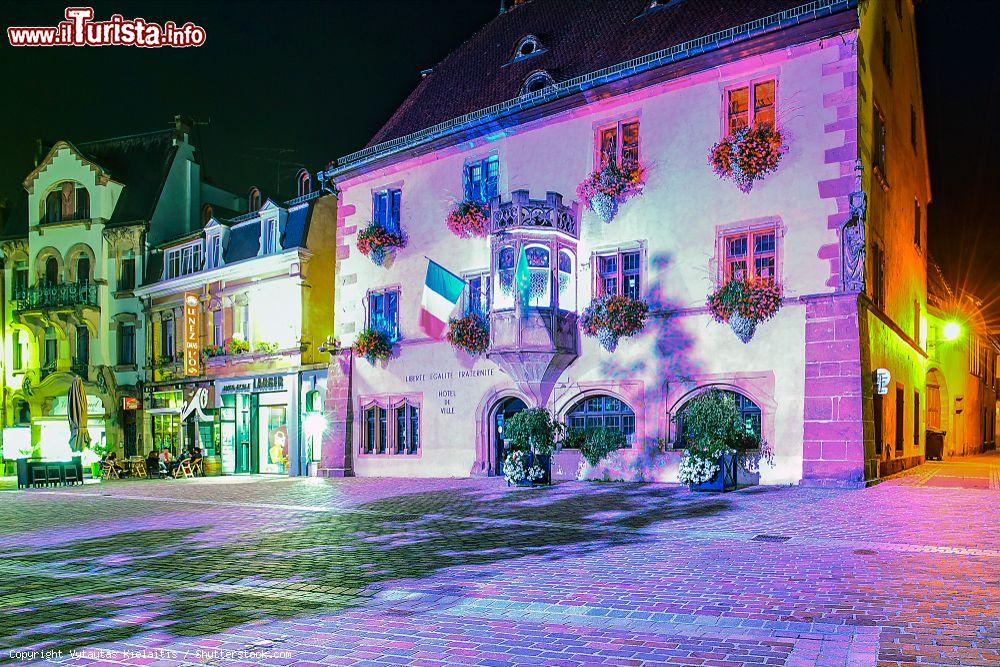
(936, 416)
(502, 411)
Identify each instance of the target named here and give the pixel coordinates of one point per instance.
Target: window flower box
(748, 155)
(470, 333)
(612, 317)
(605, 189)
(373, 345)
(470, 219)
(375, 242)
(745, 303)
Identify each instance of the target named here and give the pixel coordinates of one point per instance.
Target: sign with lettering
(882, 378)
(130, 403)
(446, 376)
(192, 327)
(264, 383)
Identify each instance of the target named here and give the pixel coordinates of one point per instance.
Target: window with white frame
(390, 427)
(383, 312)
(566, 272)
(241, 321)
(751, 103)
(478, 294)
(619, 273)
(217, 331)
(182, 261)
(386, 208)
(269, 236)
(20, 349)
(213, 254)
(167, 339)
(482, 179)
(618, 143)
(539, 289)
(750, 254)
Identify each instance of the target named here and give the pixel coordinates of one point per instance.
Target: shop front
(259, 424)
(183, 418)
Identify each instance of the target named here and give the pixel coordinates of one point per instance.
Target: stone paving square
(250, 571)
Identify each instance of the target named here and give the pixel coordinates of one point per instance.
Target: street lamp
(952, 330)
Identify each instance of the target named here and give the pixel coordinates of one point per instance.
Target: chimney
(182, 128)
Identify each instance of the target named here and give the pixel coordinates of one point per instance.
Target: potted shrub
(375, 241)
(212, 351)
(612, 317)
(530, 436)
(745, 303)
(373, 345)
(747, 155)
(716, 435)
(470, 219)
(470, 333)
(605, 189)
(595, 445)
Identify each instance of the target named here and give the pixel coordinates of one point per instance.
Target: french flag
(442, 290)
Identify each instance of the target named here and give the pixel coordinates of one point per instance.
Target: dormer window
(528, 46)
(67, 202)
(269, 236)
(213, 250)
(303, 183)
(182, 261)
(253, 200)
(537, 81)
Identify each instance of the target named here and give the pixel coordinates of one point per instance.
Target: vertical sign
(192, 325)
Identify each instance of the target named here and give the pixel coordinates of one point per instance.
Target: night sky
(285, 84)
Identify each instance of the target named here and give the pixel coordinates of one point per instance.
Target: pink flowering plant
(613, 316)
(470, 219)
(374, 241)
(470, 333)
(373, 345)
(748, 155)
(744, 303)
(611, 185)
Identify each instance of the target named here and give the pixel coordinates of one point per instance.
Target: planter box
(724, 480)
(544, 461)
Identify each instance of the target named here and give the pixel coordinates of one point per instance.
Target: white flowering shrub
(696, 470)
(517, 470)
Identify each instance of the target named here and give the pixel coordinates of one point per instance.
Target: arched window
(253, 199)
(529, 45)
(602, 412)
(539, 272)
(53, 207)
(749, 412)
(51, 271)
(567, 281)
(504, 297)
(83, 270)
(537, 81)
(23, 411)
(406, 421)
(82, 204)
(374, 430)
(206, 214)
(303, 182)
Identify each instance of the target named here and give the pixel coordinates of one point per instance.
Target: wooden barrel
(212, 465)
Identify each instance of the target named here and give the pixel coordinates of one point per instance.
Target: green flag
(522, 277)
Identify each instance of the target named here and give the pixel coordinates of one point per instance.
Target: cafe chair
(109, 471)
(183, 469)
(38, 477)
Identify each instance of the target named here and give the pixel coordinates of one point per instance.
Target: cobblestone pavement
(376, 571)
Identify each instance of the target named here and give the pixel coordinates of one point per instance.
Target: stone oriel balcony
(522, 212)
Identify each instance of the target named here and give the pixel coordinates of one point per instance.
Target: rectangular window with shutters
(482, 179)
(386, 206)
(618, 143)
(751, 254)
(619, 273)
(383, 312)
(753, 102)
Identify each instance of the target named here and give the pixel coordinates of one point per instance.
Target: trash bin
(934, 449)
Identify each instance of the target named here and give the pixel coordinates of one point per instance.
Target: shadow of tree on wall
(185, 582)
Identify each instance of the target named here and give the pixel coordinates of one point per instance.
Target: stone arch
(631, 402)
(766, 403)
(484, 462)
(73, 256)
(42, 257)
(937, 383)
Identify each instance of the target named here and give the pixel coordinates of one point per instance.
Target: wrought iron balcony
(80, 367)
(59, 295)
(522, 212)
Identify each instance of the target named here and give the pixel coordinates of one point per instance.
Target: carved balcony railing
(522, 212)
(534, 346)
(59, 295)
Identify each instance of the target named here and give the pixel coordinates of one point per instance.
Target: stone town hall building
(550, 91)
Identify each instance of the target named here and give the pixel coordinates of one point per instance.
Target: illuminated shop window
(741, 106)
(602, 412)
(750, 254)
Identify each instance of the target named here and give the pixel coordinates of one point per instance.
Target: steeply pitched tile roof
(142, 163)
(577, 37)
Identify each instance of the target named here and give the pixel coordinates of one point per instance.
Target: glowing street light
(952, 330)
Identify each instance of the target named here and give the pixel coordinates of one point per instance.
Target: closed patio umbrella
(79, 436)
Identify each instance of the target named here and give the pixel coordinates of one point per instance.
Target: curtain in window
(539, 272)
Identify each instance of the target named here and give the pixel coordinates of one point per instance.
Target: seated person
(167, 464)
(110, 460)
(152, 461)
